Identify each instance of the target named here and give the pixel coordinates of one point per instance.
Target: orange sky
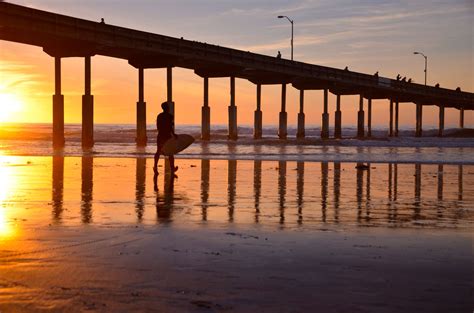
(27, 85)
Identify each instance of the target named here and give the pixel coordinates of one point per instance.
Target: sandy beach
(91, 234)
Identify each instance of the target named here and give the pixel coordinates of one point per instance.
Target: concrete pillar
(141, 111)
(396, 118)
(441, 121)
(369, 118)
(390, 128)
(338, 119)
(87, 108)
(232, 112)
(360, 118)
(419, 120)
(461, 118)
(301, 131)
(282, 130)
(58, 107)
(257, 129)
(325, 117)
(206, 113)
(169, 89)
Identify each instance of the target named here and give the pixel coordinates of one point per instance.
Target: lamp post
(426, 63)
(291, 21)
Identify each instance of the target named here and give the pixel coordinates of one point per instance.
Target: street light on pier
(426, 63)
(291, 21)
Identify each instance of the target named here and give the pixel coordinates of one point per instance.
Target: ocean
(118, 140)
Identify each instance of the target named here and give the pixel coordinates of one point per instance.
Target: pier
(64, 37)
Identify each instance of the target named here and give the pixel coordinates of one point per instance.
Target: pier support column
(169, 89)
(257, 129)
(419, 120)
(282, 130)
(396, 118)
(301, 131)
(338, 119)
(360, 118)
(141, 111)
(390, 126)
(206, 113)
(369, 118)
(325, 117)
(58, 107)
(232, 112)
(461, 118)
(441, 121)
(87, 108)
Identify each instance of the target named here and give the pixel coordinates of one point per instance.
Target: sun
(9, 105)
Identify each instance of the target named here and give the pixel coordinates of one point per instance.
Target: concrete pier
(369, 118)
(232, 135)
(325, 117)
(206, 113)
(87, 108)
(58, 107)
(169, 90)
(461, 118)
(396, 118)
(441, 121)
(300, 134)
(257, 129)
(282, 129)
(360, 118)
(141, 138)
(419, 120)
(338, 119)
(390, 127)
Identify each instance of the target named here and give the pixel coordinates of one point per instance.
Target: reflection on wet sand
(205, 168)
(86, 188)
(337, 190)
(165, 199)
(282, 189)
(417, 203)
(300, 190)
(231, 188)
(444, 204)
(140, 187)
(324, 188)
(58, 187)
(257, 187)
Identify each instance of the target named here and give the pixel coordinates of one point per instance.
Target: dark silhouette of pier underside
(63, 36)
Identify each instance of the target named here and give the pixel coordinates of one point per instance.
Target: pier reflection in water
(293, 194)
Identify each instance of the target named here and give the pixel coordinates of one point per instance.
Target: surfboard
(176, 145)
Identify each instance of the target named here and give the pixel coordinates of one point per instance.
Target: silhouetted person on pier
(409, 80)
(102, 21)
(458, 89)
(376, 74)
(165, 126)
(346, 68)
(404, 79)
(398, 77)
(279, 55)
(437, 85)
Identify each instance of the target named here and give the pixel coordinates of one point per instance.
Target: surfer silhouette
(165, 126)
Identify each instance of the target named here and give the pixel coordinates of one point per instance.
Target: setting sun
(9, 104)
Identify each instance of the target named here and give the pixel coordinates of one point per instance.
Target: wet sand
(80, 234)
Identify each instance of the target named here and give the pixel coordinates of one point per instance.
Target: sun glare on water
(10, 104)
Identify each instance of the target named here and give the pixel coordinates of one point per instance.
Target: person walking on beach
(165, 126)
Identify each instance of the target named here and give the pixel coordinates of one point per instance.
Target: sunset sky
(367, 37)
